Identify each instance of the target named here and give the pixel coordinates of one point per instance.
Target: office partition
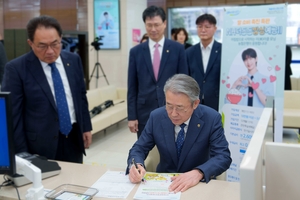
(252, 166)
(282, 171)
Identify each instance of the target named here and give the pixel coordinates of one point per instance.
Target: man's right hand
(133, 126)
(136, 175)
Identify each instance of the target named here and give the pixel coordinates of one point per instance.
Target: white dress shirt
(178, 128)
(206, 54)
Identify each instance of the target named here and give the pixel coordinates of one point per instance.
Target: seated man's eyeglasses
(178, 109)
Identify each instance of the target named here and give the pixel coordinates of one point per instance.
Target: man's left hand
(184, 181)
(87, 139)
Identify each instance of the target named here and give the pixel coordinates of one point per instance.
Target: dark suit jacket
(187, 45)
(35, 116)
(144, 92)
(205, 146)
(209, 82)
(288, 70)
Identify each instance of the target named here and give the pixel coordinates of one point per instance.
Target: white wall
(115, 62)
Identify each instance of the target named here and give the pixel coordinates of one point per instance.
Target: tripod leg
(97, 75)
(92, 74)
(103, 73)
(98, 65)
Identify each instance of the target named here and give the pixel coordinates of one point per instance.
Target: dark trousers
(141, 128)
(68, 148)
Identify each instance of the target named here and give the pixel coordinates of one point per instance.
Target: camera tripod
(96, 69)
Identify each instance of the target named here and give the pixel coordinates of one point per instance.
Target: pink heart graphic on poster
(228, 85)
(277, 68)
(269, 68)
(270, 58)
(263, 80)
(244, 95)
(255, 85)
(223, 81)
(250, 94)
(272, 78)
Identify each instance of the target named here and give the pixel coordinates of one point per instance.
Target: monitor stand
(36, 192)
(48, 168)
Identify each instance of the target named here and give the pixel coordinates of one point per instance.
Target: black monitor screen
(7, 155)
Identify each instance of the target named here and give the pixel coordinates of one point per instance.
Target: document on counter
(155, 186)
(113, 184)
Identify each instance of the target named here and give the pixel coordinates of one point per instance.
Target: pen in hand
(134, 163)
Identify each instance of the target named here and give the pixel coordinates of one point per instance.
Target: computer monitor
(7, 155)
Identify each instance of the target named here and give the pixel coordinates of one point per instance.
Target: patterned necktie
(156, 60)
(250, 95)
(65, 125)
(180, 139)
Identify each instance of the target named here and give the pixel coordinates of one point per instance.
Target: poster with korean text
(252, 74)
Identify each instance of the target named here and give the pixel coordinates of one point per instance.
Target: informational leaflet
(155, 186)
(113, 184)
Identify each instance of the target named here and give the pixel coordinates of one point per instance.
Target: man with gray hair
(189, 138)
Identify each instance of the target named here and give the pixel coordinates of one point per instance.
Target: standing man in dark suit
(204, 61)
(189, 137)
(50, 111)
(150, 65)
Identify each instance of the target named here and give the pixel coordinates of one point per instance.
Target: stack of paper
(156, 186)
(113, 184)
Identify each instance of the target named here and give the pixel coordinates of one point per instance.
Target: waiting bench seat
(291, 112)
(111, 115)
(295, 83)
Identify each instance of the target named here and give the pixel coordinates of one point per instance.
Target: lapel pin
(167, 51)
(68, 64)
(216, 51)
(198, 125)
